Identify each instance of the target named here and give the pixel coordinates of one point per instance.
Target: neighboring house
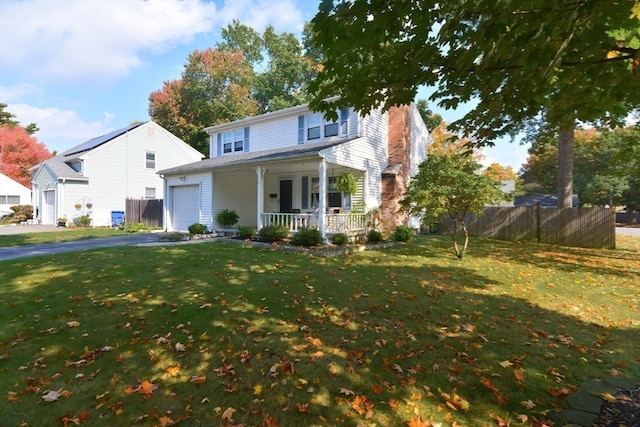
(280, 167)
(12, 193)
(545, 200)
(96, 177)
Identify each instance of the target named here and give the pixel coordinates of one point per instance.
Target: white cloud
(284, 15)
(81, 39)
(60, 129)
(16, 92)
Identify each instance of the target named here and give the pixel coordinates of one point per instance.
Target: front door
(286, 195)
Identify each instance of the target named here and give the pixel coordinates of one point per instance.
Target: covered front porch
(333, 223)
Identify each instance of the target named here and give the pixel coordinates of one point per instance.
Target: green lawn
(62, 235)
(220, 334)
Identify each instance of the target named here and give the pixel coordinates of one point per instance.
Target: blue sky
(80, 69)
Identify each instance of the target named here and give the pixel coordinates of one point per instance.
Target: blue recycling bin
(116, 218)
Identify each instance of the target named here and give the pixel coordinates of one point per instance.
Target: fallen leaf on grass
(228, 414)
(73, 324)
(419, 422)
(173, 371)
(455, 401)
(198, 379)
(180, 347)
(346, 392)
(53, 395)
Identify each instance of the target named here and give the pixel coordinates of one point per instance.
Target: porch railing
(334, 223)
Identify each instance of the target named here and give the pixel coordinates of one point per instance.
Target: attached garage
(185, 206)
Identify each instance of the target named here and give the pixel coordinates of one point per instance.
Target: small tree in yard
(449, 186)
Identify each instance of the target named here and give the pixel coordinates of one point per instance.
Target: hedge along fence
(577, 227)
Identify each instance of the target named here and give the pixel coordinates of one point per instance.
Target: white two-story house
(96, 177)
(280, 167)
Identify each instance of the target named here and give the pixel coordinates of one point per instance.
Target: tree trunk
(565, 168)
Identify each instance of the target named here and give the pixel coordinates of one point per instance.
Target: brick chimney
(395, 178)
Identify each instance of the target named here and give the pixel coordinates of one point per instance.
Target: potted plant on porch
(62, 221)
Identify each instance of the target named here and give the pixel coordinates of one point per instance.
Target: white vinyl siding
(185, 206)
(236, 191)
(284, 131)
(117, 170)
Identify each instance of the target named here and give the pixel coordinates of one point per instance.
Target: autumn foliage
(20, 151)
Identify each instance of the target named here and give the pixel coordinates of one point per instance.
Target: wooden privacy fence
(146, 211)
(578, 227)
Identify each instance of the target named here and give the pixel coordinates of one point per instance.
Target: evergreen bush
(374, 236)
(245, 231)
(197, 228)
(227, 218)
(340, 239)
(307, 237)
(403, 233)
(273, 233)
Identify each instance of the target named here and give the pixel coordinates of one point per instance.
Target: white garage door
(49, 208)
(185, 209)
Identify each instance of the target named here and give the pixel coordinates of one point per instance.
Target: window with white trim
(149, 193)
(335, 198)
(233, 141)
(9, 200)
(315, 126)
(150, 160)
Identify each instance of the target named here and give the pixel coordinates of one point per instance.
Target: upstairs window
(314, 126)
(233, 141)
(150, 160)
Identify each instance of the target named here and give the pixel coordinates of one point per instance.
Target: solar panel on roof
(94, 142)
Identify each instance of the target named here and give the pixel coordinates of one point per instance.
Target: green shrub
(307, 237)
(340, 239)
(135, 227)
(273, 233)
(403, 233)
(227, 218)
(374, 236)
(197, 228)
(246, 231)
(83, 221)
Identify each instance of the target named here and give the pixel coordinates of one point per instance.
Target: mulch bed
(624, 411)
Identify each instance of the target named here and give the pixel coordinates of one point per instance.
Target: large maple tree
(544, 65)
(20, 151)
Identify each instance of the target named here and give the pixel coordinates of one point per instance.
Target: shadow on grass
(379, 337)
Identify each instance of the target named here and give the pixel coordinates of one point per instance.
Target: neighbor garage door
(185, 206)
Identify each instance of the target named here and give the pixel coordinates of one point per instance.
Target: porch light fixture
(183, 178)
(273, 197)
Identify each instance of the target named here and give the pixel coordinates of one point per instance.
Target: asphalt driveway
(15, 252)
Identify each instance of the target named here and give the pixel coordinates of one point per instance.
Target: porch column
(260, 171)
(322, 203)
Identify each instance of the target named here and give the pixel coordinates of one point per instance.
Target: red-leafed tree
(20, 151)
